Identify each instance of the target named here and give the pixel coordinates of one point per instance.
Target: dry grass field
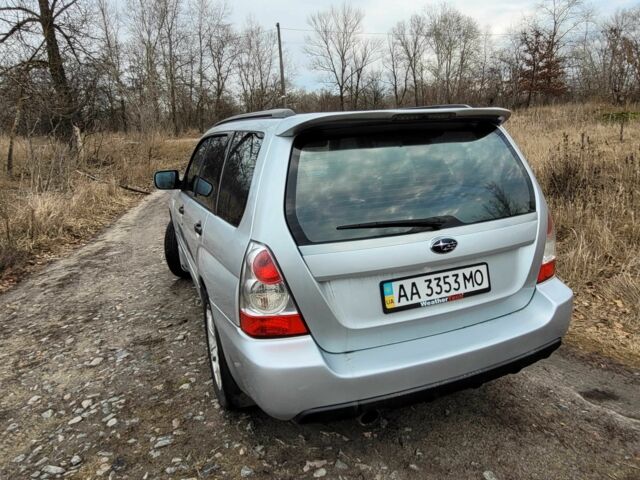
(51, 203)
(591, 179)
(590, 175)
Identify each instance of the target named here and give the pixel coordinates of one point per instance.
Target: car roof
(286, 123)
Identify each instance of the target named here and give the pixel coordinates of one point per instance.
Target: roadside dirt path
(103, 374)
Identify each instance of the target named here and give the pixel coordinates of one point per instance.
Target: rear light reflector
(548, 267)
(272, 325)
(547, 270)
(267, 309)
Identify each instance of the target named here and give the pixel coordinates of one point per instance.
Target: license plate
(434, 288)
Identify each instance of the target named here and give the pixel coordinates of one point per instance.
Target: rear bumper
(429, 392)
(293, 378)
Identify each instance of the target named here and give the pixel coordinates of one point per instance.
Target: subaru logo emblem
(443, 245)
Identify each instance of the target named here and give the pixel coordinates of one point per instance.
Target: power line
(390, 33)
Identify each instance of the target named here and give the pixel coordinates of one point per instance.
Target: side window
(237, 175)
(211, 169)
(197, 159)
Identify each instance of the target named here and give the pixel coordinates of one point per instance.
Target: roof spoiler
(294, 125)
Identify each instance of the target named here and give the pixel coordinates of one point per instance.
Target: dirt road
(103, 374)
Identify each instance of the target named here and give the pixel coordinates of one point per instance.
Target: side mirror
(166, 180)
(203, 188)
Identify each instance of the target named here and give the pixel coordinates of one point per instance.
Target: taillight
(264, 268)
(267, 309)
(548, 267)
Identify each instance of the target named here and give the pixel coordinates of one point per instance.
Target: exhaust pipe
(369, 417)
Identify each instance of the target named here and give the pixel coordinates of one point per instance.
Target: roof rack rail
(274, 113)
(452, 105)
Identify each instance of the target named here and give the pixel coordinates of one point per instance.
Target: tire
(229, 395)
(171, 253)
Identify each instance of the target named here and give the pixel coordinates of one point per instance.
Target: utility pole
(284, 93)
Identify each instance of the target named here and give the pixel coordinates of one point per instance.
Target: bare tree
(395, 67)
(374, 91)
(618, 72)
(591, 58)
(334, 45)
(454, 41)
(40, 25)
(146, 22)
(558, 19)
(202, 11)
(21, 81)
(170, 39)
(223, 45)
(509, 60)
(411, 36)
(365, 54)
(112, 58)
(211, 43)
(486, 69)
(257, 68)
(632, 45)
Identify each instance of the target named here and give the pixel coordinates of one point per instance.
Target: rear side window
(452, 174)
(212, 167)
(237, 176)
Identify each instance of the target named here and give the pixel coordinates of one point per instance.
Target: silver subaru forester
(348, 260)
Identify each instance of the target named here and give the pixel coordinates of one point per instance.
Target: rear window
(455, 174)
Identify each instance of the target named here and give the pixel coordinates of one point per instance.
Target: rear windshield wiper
(433, 223)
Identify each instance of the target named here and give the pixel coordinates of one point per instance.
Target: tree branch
(62, 10)
(19, 9)
(16, 28)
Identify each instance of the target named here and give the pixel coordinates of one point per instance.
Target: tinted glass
(212, 167)
(197, 159)
(237, 175)
(458, 175)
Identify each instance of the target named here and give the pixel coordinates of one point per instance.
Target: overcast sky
(380, 16)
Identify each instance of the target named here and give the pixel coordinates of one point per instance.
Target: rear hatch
(409, 230)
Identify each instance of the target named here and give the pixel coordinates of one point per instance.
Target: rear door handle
(181, 209)
(198, 228)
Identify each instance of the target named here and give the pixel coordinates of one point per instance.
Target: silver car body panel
(355, 351)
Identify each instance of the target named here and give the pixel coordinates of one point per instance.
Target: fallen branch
(121, 185)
